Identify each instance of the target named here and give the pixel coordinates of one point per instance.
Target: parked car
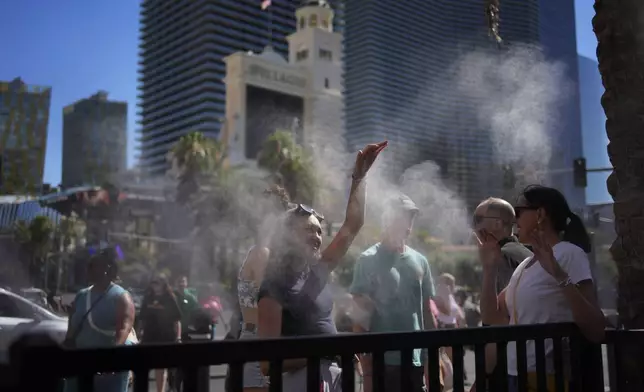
(37, 296)
(19, 315)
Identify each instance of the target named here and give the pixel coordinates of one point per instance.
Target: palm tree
(289, 166)
(211, 191)
(618, 26)
(195, 159)
(36, 241)
(68, 234)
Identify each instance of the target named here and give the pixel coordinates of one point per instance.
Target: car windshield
(28, 307)
(36, 298)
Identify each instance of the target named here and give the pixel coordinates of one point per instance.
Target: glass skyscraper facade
(557, 37)
(400, 61)
(593, 125)
(24, 117)
(94, 141)
(183, 44)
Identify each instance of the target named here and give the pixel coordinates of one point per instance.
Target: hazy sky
(81, 46)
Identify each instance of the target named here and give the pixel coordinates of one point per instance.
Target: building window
(313, 21)
(302, 55)
(326, 54)
(325, 23)
(302, 23)
(326, 82)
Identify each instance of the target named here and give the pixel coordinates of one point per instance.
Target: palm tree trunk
(618, 25)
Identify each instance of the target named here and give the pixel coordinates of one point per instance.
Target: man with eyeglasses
(392, 285)
(495, 217)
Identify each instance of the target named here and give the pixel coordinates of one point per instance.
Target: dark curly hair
(280, 194)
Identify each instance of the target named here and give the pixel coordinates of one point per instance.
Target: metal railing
(38, 364)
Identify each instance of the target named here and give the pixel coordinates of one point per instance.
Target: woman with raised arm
(250, 279)
(554, 285)
(295, 298)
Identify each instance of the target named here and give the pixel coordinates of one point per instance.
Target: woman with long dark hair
(295, 297)
(250, 279)
(102, 315)
(553, 285)
(160, 320)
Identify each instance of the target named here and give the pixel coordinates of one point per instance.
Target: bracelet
(565, 282)
(356, 178)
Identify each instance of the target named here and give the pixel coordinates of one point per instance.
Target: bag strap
(79, 328)
(515, 314)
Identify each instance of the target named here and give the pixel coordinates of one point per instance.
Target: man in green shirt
(188, 303)
(392, 285)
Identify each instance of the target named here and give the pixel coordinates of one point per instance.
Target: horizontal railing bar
(57, 360)
(621, 335)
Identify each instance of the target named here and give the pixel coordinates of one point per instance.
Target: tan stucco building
(265, 92)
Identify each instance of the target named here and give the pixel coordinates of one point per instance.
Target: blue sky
(81, 46)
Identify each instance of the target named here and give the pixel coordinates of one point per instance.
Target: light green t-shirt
(398, 284)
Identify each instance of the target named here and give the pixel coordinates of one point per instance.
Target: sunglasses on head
(304, 210)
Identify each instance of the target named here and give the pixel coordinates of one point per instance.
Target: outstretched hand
(489, 248)
(366, 157)
(544, 254)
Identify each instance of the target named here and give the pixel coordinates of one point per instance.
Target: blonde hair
(448, 279)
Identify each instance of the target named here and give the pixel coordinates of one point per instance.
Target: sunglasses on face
(304, 210)
(519, 210)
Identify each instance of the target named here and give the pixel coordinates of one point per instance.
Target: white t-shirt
(452, 317)
(448, 299)
(540, 300)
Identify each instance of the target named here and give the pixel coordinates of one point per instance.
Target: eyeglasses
(478, 219)
(305, 210)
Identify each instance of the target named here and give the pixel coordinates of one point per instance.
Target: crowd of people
(103, 314)
(535, 270)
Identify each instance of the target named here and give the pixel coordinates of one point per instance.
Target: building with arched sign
(266, 92)
(183, 44)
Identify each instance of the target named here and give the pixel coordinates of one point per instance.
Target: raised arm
(354, 217)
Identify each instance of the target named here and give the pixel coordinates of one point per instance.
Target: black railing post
(587, 364)
(33, 353)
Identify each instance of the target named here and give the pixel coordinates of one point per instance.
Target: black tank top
(306, 299)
